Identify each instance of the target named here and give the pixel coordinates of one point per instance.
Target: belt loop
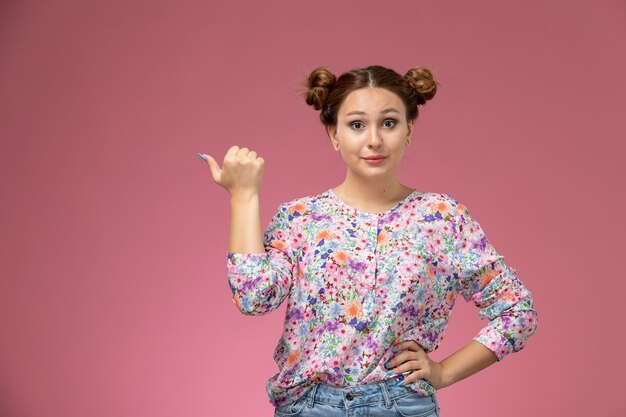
(311, 399)
(383, 387)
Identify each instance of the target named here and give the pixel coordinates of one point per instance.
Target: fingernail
(390, 372)
(388, 364)
(394, 348)
(202, 156)
(400, 383)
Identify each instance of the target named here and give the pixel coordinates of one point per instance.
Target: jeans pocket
(415, 405)
(292, 409)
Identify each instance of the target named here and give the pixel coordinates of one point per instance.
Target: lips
(375, 159)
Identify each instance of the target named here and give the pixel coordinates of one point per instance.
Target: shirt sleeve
(261, 281)
(494, 288)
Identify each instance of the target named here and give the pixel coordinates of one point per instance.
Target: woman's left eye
(389, 123)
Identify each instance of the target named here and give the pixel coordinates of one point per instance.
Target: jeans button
(350, 396)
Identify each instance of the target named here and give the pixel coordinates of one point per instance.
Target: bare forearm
(466, 361)
(245, 224)
(241, 176)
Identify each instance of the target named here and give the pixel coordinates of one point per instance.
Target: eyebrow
(358, 112)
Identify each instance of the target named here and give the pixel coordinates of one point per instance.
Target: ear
(332, 134)
(409, 134)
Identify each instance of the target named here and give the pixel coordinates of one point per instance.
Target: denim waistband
(383, 392)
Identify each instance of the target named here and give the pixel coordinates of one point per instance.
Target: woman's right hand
(242, 170)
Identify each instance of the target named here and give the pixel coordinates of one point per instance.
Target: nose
(374, 139)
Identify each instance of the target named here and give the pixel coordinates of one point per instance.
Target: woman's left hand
(413, 357)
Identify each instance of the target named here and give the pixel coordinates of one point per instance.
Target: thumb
(216, 172)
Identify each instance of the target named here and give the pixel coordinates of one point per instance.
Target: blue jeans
(383, 399)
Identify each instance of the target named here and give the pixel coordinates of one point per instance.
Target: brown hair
(326, 92)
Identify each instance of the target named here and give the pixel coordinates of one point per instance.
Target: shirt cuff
(494, 341)
(241, 267)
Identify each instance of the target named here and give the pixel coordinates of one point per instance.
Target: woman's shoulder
(433, 197)
(312, 203)
(436, 205)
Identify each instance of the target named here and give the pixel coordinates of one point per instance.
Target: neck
(371, 192)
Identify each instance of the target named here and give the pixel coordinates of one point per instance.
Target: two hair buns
(321, 80)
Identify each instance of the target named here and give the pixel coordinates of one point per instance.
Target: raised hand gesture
(241, 171)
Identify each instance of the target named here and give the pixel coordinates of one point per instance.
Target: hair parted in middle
(326, 92)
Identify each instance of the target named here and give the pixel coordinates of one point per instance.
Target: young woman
(370, 268)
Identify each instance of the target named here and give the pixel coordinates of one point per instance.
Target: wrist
(243, 196)
(446, 378)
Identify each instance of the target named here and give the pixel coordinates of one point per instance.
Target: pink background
(113, 291)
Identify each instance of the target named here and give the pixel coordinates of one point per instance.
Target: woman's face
(372, 132)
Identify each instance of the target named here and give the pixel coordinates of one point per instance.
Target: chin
(373, 174)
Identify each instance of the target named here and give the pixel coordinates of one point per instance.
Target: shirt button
(350, 396)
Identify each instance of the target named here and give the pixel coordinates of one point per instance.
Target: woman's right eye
(356, 125)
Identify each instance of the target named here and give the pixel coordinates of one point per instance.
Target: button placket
(375, 249)
(370, 234)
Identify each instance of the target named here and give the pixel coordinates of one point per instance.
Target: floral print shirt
(355, 282)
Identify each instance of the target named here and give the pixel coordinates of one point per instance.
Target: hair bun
(421, 79)
(319, 83)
